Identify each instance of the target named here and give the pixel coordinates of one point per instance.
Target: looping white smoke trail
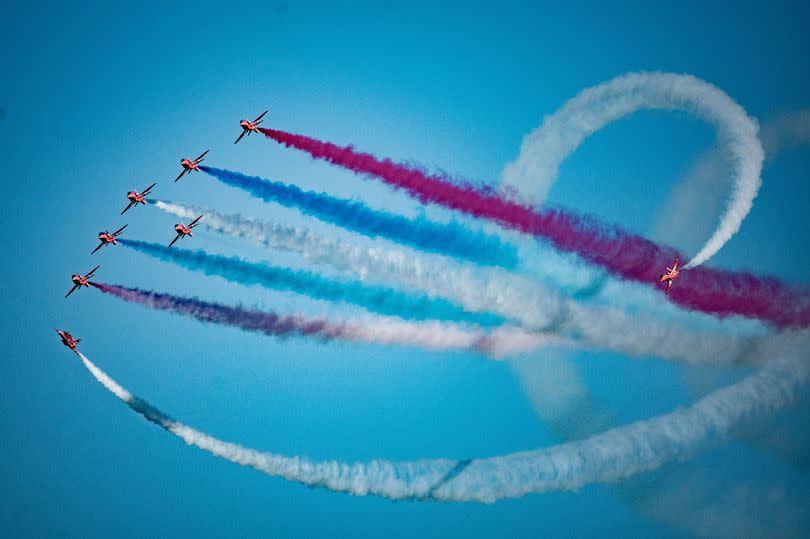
(615, 454)
(689, 498)
(700, 195)
(527, 302)
(545, 148)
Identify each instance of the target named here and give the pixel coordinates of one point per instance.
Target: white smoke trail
(491, 290)
(545, 148)
(477, 290)
(497, 343)
(785, 131)
(696, 194)
(611, 456)
(561, 399)
(700, 192)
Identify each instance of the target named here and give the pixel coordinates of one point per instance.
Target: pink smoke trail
(626, 255)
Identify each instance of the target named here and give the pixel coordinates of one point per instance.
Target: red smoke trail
(626, 255)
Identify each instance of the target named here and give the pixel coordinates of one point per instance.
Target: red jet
(81, 280)
(189, 165)
(68, 340)
(250, 127)
(107, 238)
(136, 198)
(670, 275)
(185, 230)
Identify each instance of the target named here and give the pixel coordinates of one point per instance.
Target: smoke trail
(700, 195)
(785, 131)
(545, 148)
(514, 297)
(451, 239)
(629, 256)
(613, 455)
(377, 299)
(498, 343)
(683, 495)
(509, 295)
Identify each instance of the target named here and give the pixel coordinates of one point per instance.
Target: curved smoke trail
(682, 496)
(697, 193)
(497, 343)
(613, 455)
(697, 500)
(451, 239)
(377, 299)
(545, 148)
(700, 195)
(626, 255)
(514, 297)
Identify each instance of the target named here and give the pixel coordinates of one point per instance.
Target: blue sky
(100, 101)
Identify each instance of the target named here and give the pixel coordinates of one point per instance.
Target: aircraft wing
(75, 286)
(92, 271)
(195, 222)
(181, 174)
(177, 237)
(200, 158)
(241, 135)
(669, 285)
(146, 191)
(128, 207)
(257, 120)
(100, 245)
(119, 230)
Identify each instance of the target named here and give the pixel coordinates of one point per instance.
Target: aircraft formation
(134, 198)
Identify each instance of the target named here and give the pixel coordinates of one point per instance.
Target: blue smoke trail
(450, 239)
(374, 298)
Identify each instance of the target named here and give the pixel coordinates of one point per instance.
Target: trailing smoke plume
(451, 239)
(613, 455)
(545, 148)
(625, 255)
(433, 335)
(513, 297)
(377, 299)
